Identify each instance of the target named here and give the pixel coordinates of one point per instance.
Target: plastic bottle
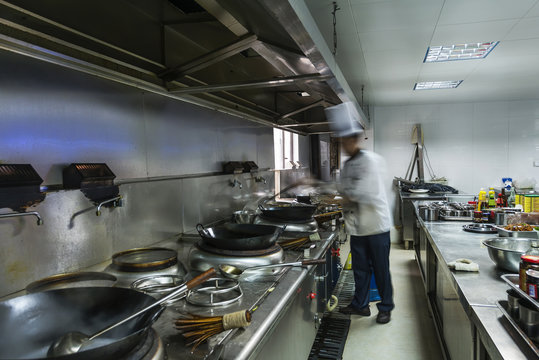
(512, 196)
(491, 198)
(482, 198)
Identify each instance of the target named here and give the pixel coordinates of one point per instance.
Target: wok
(240, 236)
(287, 211)
(30, 324)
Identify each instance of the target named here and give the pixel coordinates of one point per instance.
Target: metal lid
(145, 259)
(69, 280)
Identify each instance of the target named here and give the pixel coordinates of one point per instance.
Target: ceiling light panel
(435, 85)
(459, 51)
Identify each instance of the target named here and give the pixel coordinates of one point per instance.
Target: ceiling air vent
(187, 6)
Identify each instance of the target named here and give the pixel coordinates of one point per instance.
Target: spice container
(477, 216)
(527, 262)
(532, 283)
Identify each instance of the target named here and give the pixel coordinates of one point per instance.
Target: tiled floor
(410, 334)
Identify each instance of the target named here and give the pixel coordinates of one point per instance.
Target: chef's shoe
(350, 310)
(383, 317)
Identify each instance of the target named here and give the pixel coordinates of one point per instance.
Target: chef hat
(343, 119)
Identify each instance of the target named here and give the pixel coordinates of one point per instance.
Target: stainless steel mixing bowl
(506, 252)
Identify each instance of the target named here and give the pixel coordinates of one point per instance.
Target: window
(286, 145)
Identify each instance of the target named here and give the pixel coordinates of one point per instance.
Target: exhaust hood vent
(187, 6)
(19, 187)
(95, 180)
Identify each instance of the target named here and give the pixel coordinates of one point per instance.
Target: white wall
(473, 145)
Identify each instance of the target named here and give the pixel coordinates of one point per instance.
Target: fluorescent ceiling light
(433, 85)
(459, 51)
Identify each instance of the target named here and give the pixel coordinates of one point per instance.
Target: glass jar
(527, 262)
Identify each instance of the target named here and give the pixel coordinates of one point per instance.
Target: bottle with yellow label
(491, 198)
(481, 200)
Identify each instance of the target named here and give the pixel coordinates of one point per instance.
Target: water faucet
(117, 202)
(17, 214)
(235, 183)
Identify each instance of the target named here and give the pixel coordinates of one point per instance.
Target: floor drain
(331, 336)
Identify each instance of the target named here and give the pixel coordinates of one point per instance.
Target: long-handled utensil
(198, 329)
(71, 342)
(233, 272)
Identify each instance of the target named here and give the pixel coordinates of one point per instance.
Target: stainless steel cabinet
(456, 328)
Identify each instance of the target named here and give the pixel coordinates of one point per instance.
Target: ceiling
(381, 46)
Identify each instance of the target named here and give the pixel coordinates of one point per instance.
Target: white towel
(464, 265)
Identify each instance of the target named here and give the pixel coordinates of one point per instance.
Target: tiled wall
(473, 145)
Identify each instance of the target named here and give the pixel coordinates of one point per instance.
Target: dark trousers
(371, 253)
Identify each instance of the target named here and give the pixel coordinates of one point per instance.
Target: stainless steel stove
(296, 226)
(202, 257)
(151, 348)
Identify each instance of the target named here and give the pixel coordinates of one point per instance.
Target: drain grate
(330, 339)
(331, 336)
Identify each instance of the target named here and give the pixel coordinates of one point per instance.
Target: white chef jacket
(362, 183)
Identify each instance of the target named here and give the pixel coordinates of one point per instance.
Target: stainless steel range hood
(250, 58)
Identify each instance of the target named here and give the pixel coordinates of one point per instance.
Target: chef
(366, 214)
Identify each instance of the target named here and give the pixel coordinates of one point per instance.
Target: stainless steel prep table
(407, 213)
(464, 304)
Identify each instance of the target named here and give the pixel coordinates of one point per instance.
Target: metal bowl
(506, 252)
(244, 216)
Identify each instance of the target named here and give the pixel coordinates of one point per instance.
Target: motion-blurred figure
(366, 214)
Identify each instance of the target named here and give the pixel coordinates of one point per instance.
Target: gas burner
(295, 226)
(159, 286)
(216, 292)
(151, 348)
(131, 265)
(202, 257)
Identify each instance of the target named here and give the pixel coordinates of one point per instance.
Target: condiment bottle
(491, 198)
(532, 283)
(482, 198)
(527, 262)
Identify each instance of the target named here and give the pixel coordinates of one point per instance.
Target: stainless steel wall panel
(52, 116)
(64, 242)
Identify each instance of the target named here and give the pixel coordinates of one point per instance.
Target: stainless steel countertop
(478, 292)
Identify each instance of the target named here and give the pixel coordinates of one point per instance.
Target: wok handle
(200, 229)
(313, 262)
(200, 278)
(262, 208)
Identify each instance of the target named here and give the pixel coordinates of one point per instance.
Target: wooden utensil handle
(313, 262)
(200, 278)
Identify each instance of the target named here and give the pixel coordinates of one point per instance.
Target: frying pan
(287, 211)
(29, 324)
(240, 236)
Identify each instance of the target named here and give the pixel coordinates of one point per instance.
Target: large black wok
(30, 324)
(288, 211)
(240, 236)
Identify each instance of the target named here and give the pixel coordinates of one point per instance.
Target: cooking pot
(30, 324)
